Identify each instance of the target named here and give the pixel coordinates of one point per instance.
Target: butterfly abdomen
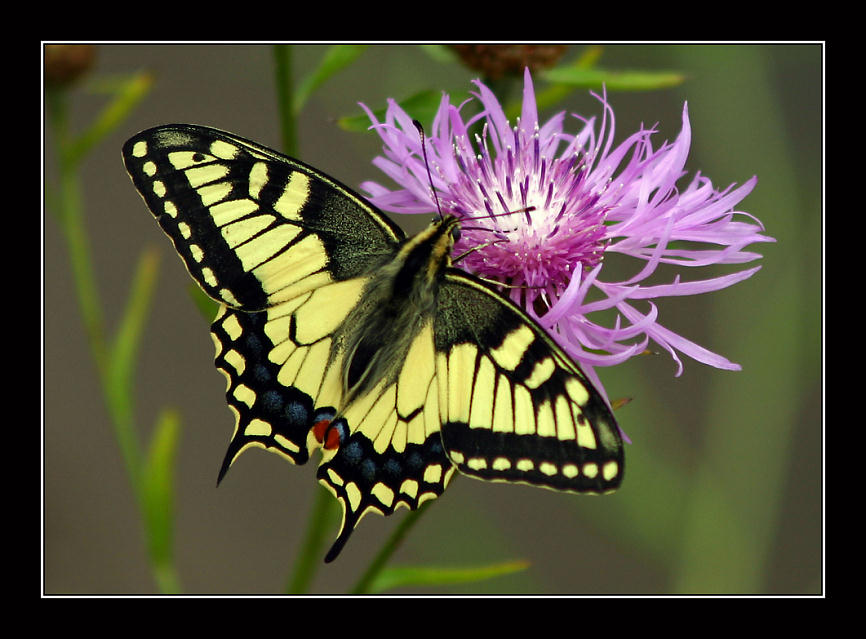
(393, 309)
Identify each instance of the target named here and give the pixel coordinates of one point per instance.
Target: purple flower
(543, 211)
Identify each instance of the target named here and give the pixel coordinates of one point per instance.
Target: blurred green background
(724, 478)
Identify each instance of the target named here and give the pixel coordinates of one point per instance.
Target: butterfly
(336, 332)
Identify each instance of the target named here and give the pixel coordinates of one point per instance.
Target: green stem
(70, 215)
(366, 581)
(118, 379)
(71, 219)
(307, 561)
(166, 579)
(310, 554)
(285, 91)
(114, 360)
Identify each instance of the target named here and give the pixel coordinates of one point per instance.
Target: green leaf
(123, 355)
(128, 92)
(549, 96)
(440, 52)
(206, 306)
(324, 515)
(614, 80)
(128, 338)
(421, 106)
(337, 58)
(399, 576)
(157, 491)
(588, 57)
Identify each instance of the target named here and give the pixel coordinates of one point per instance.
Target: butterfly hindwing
(268, 413)
(283, 371)
(394, 455)
(365, 480)
(513, 406)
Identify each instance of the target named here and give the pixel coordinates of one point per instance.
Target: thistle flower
(543, 210)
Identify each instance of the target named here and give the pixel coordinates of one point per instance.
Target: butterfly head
(442, 235)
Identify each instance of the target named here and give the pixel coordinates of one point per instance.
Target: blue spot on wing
(359, 464)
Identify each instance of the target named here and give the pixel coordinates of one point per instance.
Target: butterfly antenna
(427, 165)
(525, 209)
(478, 247)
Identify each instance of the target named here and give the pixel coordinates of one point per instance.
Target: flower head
(543, 210)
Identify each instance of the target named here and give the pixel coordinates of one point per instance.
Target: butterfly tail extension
(268, 414)
(365, 480)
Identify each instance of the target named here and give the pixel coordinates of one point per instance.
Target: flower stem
(307, 561)
(365, 583)
(70, 217)
(114, 359)
(309, 556)
(285, 91)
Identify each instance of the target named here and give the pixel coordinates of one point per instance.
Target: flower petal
(547, 205)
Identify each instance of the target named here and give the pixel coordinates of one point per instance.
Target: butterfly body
(338, 333)
(393, 309)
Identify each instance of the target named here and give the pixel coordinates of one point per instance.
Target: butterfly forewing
(253, 227)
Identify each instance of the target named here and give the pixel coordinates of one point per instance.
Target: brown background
(755, 110)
